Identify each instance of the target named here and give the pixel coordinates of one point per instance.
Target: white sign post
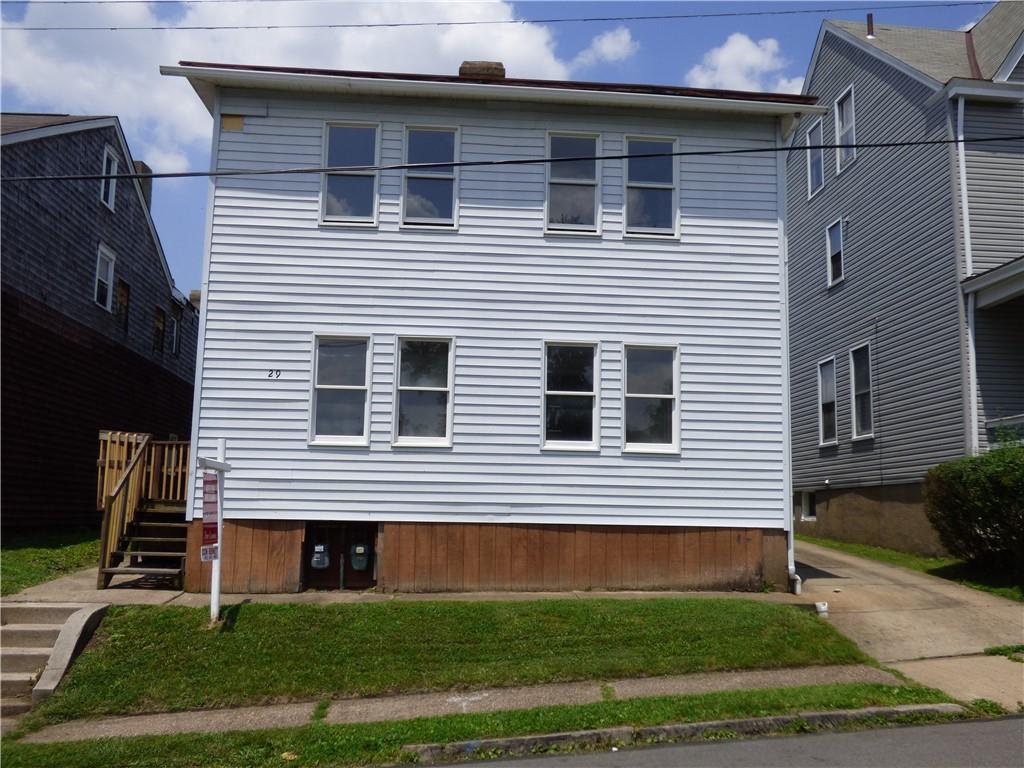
(213, 507)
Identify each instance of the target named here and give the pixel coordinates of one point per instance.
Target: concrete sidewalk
(405, 707)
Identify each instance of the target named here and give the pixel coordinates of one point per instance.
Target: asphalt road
(988, 744)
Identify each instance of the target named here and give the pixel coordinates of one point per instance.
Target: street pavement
(977, 744)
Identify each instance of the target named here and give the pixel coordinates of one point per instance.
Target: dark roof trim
(972, 57)
(661, 90)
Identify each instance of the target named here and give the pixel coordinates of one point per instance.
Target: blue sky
(116, 72)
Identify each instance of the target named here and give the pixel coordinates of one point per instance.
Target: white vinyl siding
(500, 288)
(108, 187)
(340, 399)
(861, 392)
(815, 159)
(103, 290)
(827, 421)
(834, 252)
(846, 131)
(350, 197)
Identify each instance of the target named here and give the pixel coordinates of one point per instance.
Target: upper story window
(430, 192)
(122, 300)
(108, 186)
(350, 197)
(159, 330)
(651, 394)
(570, 396)
(860, 376)
(834, 249)
(424, 408)
(827, 402)
(104, 289)
(651, 187)
(845, 130)
(815, 160)
(341, 403)
(572, 185)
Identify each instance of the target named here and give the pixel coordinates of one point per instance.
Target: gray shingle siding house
(906, 281)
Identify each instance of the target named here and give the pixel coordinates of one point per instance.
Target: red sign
(209, 508)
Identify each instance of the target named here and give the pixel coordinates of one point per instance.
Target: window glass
(423, 389)
(650, 396)
(845, 130)
(650, 187)
(571, 205)
(815, 159)
(574, 146)
(350, 196)
(827, 401)
(648, 208)
(428, 198)
(569, 395)
(572, 190)
(431, 146)
(104, 279)
(350, 145)
(835, 252)
(108, 186)
(653, 170)
(341, 388)
(430, 192)
(862, 417)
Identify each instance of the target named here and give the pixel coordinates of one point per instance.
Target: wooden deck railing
(134, 469)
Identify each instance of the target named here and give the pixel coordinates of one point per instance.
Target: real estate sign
(209, 550)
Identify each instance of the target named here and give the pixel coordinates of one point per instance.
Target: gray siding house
(906, 269)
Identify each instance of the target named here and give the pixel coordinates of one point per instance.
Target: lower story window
(651, 395)
(570, 393)
(424, 407)
(340, 394)
(104, 288)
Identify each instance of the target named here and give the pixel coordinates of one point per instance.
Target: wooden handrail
(120, 509)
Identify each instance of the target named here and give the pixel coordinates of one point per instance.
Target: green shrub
(977, 506)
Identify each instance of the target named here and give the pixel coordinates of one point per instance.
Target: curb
(627, 735)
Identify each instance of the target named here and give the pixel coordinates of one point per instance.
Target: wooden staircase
(141, 490)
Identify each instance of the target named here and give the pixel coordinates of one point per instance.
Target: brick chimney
(871, 26)
(482, 70)
(147, 184)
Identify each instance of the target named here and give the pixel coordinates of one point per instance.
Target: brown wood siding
(467, 557)
(260, 556)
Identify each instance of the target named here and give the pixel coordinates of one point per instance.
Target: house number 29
(274, 373)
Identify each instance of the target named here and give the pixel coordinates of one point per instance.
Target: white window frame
(822, 442)
(352, 221)
(423, 442)
(817, 124)
(104, 253)
(595, 431)
(443, 224)
(650, 232)
(174, 324)
(832, 279)
(669, 448)
(340, 440)
(808, 510)
(871, 392)
(853, 127)
(576, 230)
(108, 187)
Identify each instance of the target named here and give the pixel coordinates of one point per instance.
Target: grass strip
(995, 581)
(29, 559)
(162, 658)
(375, 743)
(1012, 652)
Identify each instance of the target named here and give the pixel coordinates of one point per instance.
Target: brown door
(358, 567)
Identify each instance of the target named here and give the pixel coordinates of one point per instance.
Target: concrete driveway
(930, 629)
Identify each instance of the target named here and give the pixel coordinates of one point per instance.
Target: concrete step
(9, 707)
(29, 635)
(17, 683)
(23, 659)
(35, 613)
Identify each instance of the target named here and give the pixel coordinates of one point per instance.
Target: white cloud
(742, 64)
(614, 45)
(117, 72)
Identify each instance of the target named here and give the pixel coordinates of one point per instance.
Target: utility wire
(476, 22)
(498, 163)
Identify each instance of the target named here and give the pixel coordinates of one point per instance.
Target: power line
(475, 22)
(497, 163)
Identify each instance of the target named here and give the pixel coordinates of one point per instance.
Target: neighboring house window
(430, 192)
(108, 186)
(350, 196)
(651, 396)
(424, 407)
(175, 330)
(827, 402)
(122, 300)
(159, 327)
(570, 394)
(815, 160)
(845, 130)
(834, 247)
(103, 294)
(651, 187)
(572, 185)
(860, 376)
(341, 401)
(808, 506)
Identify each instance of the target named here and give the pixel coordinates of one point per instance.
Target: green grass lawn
(997, 582)
(27, 559)
(156, 658)
(373, 743)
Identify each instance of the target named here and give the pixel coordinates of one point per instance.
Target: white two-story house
(436, 370)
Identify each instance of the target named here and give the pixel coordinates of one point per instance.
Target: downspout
(787, 466)
(965, 214)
